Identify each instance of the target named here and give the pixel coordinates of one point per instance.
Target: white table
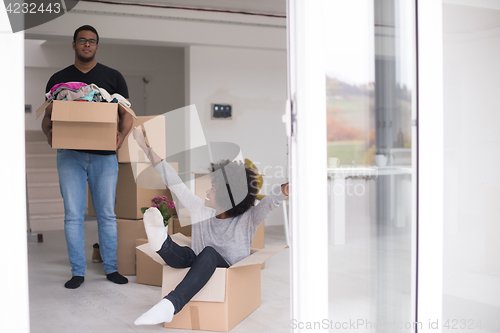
(337, 193)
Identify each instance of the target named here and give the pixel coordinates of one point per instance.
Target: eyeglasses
(83, 41)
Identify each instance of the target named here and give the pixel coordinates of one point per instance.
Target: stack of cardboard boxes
(130, 198)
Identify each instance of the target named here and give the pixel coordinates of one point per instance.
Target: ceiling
(272, 7)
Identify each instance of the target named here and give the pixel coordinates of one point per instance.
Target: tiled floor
(100, 306)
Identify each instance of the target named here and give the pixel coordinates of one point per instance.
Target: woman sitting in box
(221, 238)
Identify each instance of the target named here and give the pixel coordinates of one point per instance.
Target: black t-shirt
(103, 76)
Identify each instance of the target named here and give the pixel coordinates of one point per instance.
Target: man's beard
(82, 59)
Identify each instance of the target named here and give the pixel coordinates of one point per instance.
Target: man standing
(98, 168)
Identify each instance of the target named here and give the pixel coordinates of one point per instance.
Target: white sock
(155, 229)
(162, 312)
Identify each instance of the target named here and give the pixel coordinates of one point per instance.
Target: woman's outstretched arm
(259, 212)
(169, 176)
(141, 141)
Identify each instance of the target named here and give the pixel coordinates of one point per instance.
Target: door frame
(308, 199)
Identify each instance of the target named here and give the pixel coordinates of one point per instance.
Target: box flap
(156, 134)
(147, 270)
(130, 151)
(213, 291)
(84, 112)
(181, 239)
(129, 110)
(259, 257)
(42, 108)
(147, 250)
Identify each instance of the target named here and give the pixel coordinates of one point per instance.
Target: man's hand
(119, 140)
(47, 124)
(284, 189)
(49, 137)
(124, 125)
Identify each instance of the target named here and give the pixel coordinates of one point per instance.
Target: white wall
(254, 83)
(163, 67)
(13, 287)
(471, 147)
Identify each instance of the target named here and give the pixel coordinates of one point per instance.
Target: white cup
(333, 162)
(380, 160)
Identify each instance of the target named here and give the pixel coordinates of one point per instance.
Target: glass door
(368, 68)
(370, 94)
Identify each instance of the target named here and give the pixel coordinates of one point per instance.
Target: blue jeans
(202, 266)
(75, 169)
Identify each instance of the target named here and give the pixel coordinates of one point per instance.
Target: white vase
(380, 160)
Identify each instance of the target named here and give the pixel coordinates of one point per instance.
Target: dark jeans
(202, 266)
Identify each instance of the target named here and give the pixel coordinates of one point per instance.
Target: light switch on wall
(222, 111)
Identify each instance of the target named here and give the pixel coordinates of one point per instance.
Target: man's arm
(47, 124)
(124, 126)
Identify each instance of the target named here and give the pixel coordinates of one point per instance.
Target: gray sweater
(231, 237)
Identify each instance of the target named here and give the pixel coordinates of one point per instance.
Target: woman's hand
(141, 141)
(284, 189)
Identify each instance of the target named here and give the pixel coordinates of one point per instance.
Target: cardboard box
(148, 271)
(259, 239)
(155, 133)
(174, 227)
(128, 231)
(130, 198)
(228, 297)
(83, 125)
